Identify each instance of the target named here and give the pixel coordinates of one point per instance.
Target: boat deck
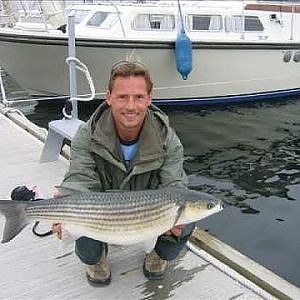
(45, 268)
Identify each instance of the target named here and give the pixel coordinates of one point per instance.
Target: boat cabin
(204, 20)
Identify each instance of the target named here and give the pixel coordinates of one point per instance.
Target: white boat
(242, 50)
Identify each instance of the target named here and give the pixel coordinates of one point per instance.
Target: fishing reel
(23, 193)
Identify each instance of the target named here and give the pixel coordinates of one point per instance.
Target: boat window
(205, 22)
(154, 22)
(103, 20)
(252, 23)
(79, 15)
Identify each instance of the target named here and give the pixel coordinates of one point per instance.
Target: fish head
(197, 205)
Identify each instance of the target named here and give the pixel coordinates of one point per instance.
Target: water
(249, 155)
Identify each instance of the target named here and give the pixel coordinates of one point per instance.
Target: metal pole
(2, 88)
(292, 23)
(42, 15)
(243, 21)
(72, 66)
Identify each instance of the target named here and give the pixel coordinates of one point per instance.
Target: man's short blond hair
(126, 69)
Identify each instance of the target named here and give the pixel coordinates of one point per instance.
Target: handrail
(292, 23)
(43, 16)
(118, 13)
(243, 21)
(2, 88)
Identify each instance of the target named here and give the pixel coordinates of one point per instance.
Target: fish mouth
(221, 206)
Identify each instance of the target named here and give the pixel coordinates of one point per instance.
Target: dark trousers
(167, 247)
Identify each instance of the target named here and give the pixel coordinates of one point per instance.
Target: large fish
(123, 217)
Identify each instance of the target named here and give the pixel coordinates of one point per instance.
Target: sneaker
(99, 274)
(154, 267)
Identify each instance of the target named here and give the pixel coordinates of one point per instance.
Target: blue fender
(184, 54)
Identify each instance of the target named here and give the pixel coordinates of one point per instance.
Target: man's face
(129, 101)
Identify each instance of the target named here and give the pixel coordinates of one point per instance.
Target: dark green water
(248, 155)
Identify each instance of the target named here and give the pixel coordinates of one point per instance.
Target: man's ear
(108, 97)
(150, 98)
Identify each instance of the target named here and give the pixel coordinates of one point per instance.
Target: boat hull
(222, 71)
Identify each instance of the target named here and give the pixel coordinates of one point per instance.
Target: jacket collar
(151, 136)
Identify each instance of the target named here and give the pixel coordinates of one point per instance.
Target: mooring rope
(83, 68)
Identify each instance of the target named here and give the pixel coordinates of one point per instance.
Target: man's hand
(177, 230)
(56, 228)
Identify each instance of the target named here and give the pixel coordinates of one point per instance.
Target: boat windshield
(102, 19)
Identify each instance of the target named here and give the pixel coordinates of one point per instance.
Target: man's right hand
(57, 229)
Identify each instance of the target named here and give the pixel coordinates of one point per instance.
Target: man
(127, 144)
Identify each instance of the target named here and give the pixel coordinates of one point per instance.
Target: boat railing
(292, 23)
(2, 89)
(8, 14)
(119, 17)
(29, 14)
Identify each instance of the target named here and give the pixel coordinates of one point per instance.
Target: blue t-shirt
(129, 151)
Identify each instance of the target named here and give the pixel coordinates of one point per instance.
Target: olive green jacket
(97, 161)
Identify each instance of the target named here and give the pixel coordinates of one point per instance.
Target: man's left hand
(176, 231)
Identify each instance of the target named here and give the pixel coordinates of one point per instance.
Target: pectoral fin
(179, 212)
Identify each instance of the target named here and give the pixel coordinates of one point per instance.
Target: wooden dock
(42, 268)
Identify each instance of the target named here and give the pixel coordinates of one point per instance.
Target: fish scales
(95, 205)
(105, 219)
(108, 200)
(113, 226)
(96, 210)
(100, 207)
(127, 220)
(100, 216)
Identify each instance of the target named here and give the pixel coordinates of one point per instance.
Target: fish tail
(15, 215)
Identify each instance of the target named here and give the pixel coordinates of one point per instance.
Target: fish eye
(210, 205)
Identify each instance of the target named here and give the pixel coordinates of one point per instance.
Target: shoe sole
(98, 283)
(153, 276)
